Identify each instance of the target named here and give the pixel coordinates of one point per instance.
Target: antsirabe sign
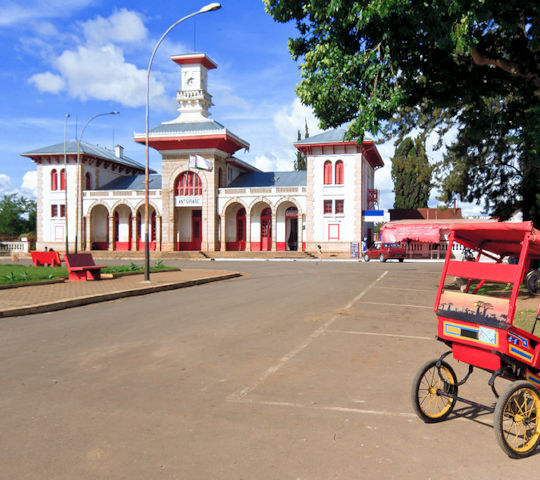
(191, 201)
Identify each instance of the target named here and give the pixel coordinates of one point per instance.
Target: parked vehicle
(385, 251)
(491, 324)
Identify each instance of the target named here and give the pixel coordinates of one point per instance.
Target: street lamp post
(79, 184)
(207, 8)
(65, 185)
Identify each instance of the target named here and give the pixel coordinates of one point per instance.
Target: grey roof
(271, 179)
(87, 148)
(135, 182)
(331, 136)
(190, 127)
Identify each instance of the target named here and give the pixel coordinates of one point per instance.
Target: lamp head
(210, 7)
(114, 113)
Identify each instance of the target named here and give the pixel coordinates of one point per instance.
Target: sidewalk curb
(80, 301)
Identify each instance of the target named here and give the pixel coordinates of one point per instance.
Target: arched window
(62, 179)
(339, 173)
(54, 180)
(188, 184)
(328, 172)
(88, 181)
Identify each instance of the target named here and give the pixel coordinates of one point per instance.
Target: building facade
(205, 198)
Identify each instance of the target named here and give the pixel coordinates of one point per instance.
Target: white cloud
(16, 13)
(123, 26)
(48, 82)
(291, 118)
(270, 162)
(102, 73)
(29, 184)
(27, 189)
(6, 186)
(98, 69)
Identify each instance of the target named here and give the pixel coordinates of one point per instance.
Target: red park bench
(81, 266)
(45, 258)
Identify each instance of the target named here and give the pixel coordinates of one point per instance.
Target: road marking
(354, 332)
(383, 413)
(395, 305)
(317, 333)
(406, 289)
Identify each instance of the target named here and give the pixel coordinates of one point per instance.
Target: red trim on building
(195, 59)
(368, 149)
(281, 246)
(338, 231)
(225, 143)
(151, 245)
(122, 246)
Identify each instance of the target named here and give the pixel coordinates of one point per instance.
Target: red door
(241, 229)
(266, 229)
(196, 230)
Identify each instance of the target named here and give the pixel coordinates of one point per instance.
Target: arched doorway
(138, 238)
(188, 211)
(122, 228)
(291, 228)
(266, 229)
(99, 228)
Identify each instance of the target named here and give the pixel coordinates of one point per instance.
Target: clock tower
(193, 98)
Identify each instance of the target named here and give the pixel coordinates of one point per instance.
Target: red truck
(385, 251)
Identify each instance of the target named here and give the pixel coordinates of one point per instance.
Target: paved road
(297, 370)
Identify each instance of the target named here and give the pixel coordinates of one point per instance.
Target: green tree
(17, 215)
(300, 162)
(464, 67)
(411, 174)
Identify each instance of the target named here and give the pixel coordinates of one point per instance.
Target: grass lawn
(14, 273)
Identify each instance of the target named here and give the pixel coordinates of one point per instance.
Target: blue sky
(86, 57)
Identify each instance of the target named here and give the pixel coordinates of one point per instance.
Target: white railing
(261, 190)
(14, 247)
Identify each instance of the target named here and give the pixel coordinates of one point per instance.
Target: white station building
(206, 198)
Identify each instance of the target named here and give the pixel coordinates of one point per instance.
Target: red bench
(45, 258)
(81, 266)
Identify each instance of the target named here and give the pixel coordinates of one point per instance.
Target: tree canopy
(17, 215)
(466, 68)
(411, 173)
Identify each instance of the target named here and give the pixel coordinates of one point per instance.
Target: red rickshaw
(484, 315)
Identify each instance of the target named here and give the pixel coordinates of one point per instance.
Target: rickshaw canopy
(500, 238)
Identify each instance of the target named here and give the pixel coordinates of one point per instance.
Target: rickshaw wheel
(516, 422)
(428, 404)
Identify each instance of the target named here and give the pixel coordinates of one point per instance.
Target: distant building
(425, 214)
(205, 198)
